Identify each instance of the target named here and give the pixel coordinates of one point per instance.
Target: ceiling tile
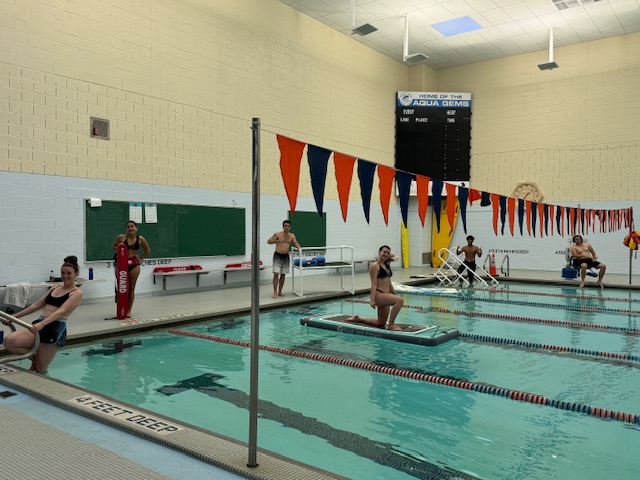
(510, 27)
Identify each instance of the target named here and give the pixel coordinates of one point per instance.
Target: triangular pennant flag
(572, 220)
(521, 208)
(423, 196)
(463, 196)
(534, 217)
(495, 207)
(558, 220)
(541, 217)
(551, 215)
(562, 217)
(404, 189)
(474, 195)
(366, 170)
(503, 213)
(318, 159)
(527, 207)
(511, 210)
(436, 191)
(344, 174)
(587, 221)
(546, 220)
(290, 158)
(451, 204)
(385, 184)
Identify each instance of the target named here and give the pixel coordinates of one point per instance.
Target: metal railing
(448, 273)
(10, 321)
(505, 260)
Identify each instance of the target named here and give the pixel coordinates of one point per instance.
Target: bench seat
(198, 272)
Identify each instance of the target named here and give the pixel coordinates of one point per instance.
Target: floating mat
(429, 335)
(401, 288)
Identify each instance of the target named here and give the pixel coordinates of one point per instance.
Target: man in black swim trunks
(282, 240)
(470, 252)
(584, 256)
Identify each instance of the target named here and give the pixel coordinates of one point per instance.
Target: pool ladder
(448, 274)
(10, 321)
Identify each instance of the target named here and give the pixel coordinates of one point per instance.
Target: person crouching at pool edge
(57, 304)
(383, 296)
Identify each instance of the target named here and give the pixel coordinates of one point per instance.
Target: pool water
(369, 425)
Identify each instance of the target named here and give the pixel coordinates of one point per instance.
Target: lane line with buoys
(546, 321)
(415, 307)
(464, 298)
(545, 346)
(549, 294)
(430, 378)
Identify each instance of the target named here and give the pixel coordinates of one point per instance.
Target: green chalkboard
(181, 230)
(309, 228)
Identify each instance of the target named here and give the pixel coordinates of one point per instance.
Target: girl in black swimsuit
(134, 242)
(57, 305)
(383, 296)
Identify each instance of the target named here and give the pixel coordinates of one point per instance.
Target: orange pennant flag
(290, 157)
(423, 196)
(511, 210)
(551, 216)
(344, 174)
(527, 209)
(386, 175)
(541, 218)
(495, 206)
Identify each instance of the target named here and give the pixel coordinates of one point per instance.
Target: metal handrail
(36, 343)
(450, 262)
(505, 259)
(486, 259)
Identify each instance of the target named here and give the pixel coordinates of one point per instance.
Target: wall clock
(528, 190)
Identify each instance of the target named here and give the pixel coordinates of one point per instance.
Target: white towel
(19, 294)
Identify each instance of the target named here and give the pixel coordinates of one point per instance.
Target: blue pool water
(370, 425)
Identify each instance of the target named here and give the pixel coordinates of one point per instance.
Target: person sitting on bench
(584, 256)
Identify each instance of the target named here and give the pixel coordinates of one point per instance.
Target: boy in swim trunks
(470, 252)
(282, 240)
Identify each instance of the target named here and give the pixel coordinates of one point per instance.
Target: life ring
(632, 240)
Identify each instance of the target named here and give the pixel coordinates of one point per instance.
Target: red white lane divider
(429, 378)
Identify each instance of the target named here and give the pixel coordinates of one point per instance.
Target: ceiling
(508, 27)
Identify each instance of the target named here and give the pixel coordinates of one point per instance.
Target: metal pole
(631, 230)
(255, 294)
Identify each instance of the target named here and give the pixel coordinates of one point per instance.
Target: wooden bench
(197, 271)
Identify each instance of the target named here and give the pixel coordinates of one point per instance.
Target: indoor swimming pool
(543, 383)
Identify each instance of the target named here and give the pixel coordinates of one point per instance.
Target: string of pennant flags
(532, 216)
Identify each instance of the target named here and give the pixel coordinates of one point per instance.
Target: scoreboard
(433, 134)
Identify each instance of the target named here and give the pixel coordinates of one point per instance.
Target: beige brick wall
(180, 82)
(573, 129)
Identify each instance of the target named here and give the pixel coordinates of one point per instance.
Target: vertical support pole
(122, 282)
(255, 294)
(631, 230)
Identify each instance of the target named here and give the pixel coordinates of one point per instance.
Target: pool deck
(225, 458)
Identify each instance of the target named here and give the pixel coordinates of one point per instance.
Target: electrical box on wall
(99, 128)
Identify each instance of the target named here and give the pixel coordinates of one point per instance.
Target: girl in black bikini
(134, 242)
(57, 305)
(383, 296)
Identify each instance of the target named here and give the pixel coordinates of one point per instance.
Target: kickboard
(442, 239)
(411, 333)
